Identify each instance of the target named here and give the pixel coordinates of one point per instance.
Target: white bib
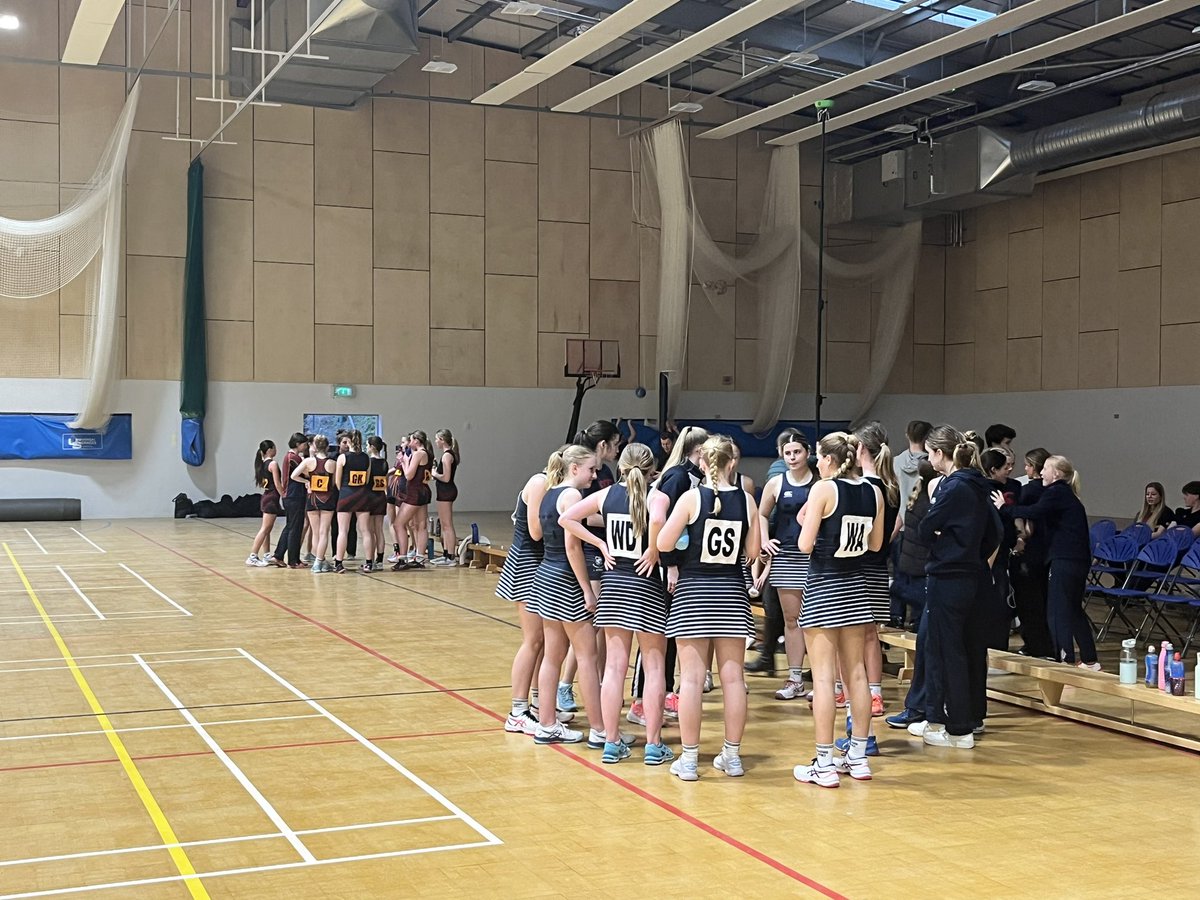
(853, 539)
(722, 542)
(618, 529)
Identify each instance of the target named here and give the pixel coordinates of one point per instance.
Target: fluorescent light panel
(94, 21)
(9, 22)
(1081, 38)
(733, 24)
(977, 34)
(1036, 86)
(956, 16)
(599, 35)
(440, 67)
(678, 108)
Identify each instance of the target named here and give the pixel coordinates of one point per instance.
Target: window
(329, 424)
(958, 17)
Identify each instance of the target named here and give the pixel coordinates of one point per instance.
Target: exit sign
(343, 391)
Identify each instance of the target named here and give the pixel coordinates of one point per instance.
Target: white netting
(43, 256)
(772, 263)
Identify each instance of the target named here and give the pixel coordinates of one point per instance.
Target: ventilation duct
(365, 40)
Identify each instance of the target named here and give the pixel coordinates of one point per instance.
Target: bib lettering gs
(853, 539)
(722, 542)
(620, 537)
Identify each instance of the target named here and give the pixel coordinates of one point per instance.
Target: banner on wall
(37, 436)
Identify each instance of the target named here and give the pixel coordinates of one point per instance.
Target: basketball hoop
(588, 361)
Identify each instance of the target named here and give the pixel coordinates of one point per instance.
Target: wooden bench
(1110, 704)
(488, 557)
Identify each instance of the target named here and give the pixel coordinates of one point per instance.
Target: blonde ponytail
(842, 447)
(874, 438)
(556, 468)
(635, 465)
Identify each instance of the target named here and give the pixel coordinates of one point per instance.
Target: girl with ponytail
(267, 479)
(843, 522)
(633, 600)
(445, 470)
(711, 606)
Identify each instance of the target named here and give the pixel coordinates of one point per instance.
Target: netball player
(785, 495)
(293, 502)
(397, 485)
(710, 602)
(377, 450)
(633, 599)
(266, 479)
(843, 520)
(317, 472)
(446, 491)
(415, 503)
(353, 478)
(562, 596)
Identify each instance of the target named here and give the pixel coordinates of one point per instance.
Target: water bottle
(1177, 678)
(1128, 665)
(684, 540)
(1164, 662)
(474, 532)
(1151, 666)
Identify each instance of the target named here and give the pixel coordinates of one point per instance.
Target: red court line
(632, 788)
(153, 756)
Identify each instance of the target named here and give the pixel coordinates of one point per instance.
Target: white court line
(62, 590)
(82, 595)
(35, 541)
(263, 803)
(31, 737)
(166, 879)
(89, 540)
(157, 662)
(74, 617)
(153, 588)
(479, 829)
(143, 654)
(231, 840)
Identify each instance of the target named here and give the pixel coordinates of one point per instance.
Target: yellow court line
(178, 854)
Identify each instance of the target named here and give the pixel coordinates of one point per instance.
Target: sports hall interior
(174, 723)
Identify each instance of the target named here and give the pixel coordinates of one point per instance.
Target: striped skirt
(556, 595)
(879, 590)
(835, 600)
(789, 569)
(632, 602)
(710, 606)
(516, 576)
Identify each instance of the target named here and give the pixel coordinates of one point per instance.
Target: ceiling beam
(1068, 42)
(1008, 21)
(93, 24)
(483, 12)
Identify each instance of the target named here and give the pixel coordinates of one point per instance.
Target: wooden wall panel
(551, 357)
(228, 168)
(342, 267)
(230, 351)
(401, 125)
(511, 135)
(991, 247)
(1138, 344)
(710, 349)
(613, 235)
(229, 259)
(960, 294)
(289, 123)
(847, 366)
(1025, 213)
(72, 347)
(456, 273)
(1099, 193)
(510, 332)
(465, 83)
(929, 368)
(753, 167)
(929, 296)
(156, 201)
(613, 147)
(1098, 359)
(283, 322)
(401, 332)
(1060, 236)
(1060, 335)
(1099, 296)
(648, 251)
(613, 315)
(960, 368)
(1181, 176)
(1180, 361)
(155, 316)
(344, 354)
(1180, 262)
(91, 104)
(342, 159)
(1025, 283)
(563, 278)
(1141, 214)
(564, 187)
(712, 159)
(991, 340)
(1025, 364)
(283, 202)
(36, 354)
(31, 92)
(848, 312)
(456, 159)
(511, 222)
(456, 356)
(716, 201)
(401, 213)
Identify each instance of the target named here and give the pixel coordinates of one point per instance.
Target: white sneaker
(791, 690)
(917, 729)
(556, 734)
(444, 562)
(524, 723)
(730, 765)
(262, 562)
(821, 776)
(252, 560)
(938, 736)
(708, 682)
(394, 558)
(684, 771)
(858, 769)
(597, 739)
(1094, 667)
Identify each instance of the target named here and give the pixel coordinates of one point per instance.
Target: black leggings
(293, 531)
(1069, 624)
(639, 675)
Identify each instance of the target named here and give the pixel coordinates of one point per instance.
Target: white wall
(1119, 439)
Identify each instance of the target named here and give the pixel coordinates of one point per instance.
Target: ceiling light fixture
(1036, 86)
(799, 58)
(440, 66)
(685, 107)
(901, 128)
(522, 8)
(9, 22)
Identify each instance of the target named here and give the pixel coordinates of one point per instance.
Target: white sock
(876, 690)
(858, 748)
(795, 673)
(691, 753)
(824, 755)
(519, 706)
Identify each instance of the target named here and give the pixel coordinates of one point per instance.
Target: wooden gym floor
(172, 722)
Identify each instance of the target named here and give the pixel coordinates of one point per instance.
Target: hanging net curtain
(43, 256)
(773, 263)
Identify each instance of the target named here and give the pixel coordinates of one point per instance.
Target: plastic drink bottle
(1177, 678)
(1151, 666)
(1128, 666)
(1164, 660)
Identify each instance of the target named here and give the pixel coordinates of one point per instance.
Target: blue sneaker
(843, 744)
(614, 753)
(657, 754)
(598, 740)
(904, 719)
(849, 724)
(566, 699)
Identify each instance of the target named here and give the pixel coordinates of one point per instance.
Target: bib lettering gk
(358, 479)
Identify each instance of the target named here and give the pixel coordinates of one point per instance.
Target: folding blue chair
(1141, 531)
(1150, 575)
(1182, 537)
(1113, 557)
(1100, 532)
(1183, 595)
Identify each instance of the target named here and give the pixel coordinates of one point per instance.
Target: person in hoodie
(963, 531)
(997, 465)
(908, 463)
(1060, 513)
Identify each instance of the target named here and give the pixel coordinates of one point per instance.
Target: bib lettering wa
(853, 539)
(620, 538)
(721, 542)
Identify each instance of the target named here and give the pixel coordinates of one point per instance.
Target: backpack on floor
(183, 506)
